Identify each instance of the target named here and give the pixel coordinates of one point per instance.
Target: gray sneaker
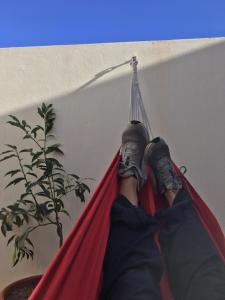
(134, 140)
(157, 156)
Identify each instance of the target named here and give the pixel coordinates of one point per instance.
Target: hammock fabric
(76, 271)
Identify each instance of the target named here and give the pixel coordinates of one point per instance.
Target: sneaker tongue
(135, 122)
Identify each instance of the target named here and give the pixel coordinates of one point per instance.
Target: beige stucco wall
(183, 88)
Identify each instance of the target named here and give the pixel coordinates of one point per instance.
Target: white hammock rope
(137, 110)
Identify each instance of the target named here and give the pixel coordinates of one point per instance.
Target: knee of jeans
(133, 217)
(181, 210)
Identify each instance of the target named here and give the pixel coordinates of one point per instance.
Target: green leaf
(58, 174)
(29, 242)
(14, 118)
(24, 123)
(35, 130)
(55, 162)
(31, 254)
(50, 111)
(28, 167)
(26, 150)
(43, 194)
(49, 168)
(50, 136)
(28, 126)
(49, 127)
(74, 176)
(60, 192)
(86, 187)
(41, 179)
(29, 186)
(28, 201)
(11, 146)
(50, 115)
(8, 222)
(43, 107)
(13, 172)
(7, 157)
(47, 193)
(15, 262)
(5, 152)
(26, 218)
(79, 192)
(70, 186)
(18, 221)
(54, 148)
(60, 181)
(65, 212)
(40, 127)
(22, 239)
(46, 182)
(49, 106)
(24, 195)
(15, 181)
(59, 204)
(4, 229)
(40, 113)
(10, 239)
(32, 174)
(27, 136)
(36, 155)
(22, 201)
(23, 254)
(82, 198)
(13, 206)
(15, 124)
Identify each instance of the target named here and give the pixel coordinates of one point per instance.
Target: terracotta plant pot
(21, 289)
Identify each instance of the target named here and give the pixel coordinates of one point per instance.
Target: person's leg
(132, 265)
(195, 269)
(128, 188)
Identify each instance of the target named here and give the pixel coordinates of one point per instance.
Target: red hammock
(75, 272)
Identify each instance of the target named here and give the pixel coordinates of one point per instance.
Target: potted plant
(45, 184)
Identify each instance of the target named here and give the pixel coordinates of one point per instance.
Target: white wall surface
(183, 88)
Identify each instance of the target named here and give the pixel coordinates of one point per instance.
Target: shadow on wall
(185, 99)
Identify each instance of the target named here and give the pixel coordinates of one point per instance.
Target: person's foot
(157, 156)
(134, 140)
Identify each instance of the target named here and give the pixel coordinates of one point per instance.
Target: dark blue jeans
(133, 264)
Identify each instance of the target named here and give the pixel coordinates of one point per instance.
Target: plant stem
(25, 177)
(39, 225)
(27, 132)
(52, 188)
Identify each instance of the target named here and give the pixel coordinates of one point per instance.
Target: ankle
(128, 188)
(170, 196)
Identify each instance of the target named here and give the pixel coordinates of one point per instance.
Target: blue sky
(48, 22)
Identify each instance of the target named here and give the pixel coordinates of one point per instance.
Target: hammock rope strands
(137, 110)
(76, 271)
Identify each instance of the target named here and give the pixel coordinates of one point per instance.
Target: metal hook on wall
(134, 63)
